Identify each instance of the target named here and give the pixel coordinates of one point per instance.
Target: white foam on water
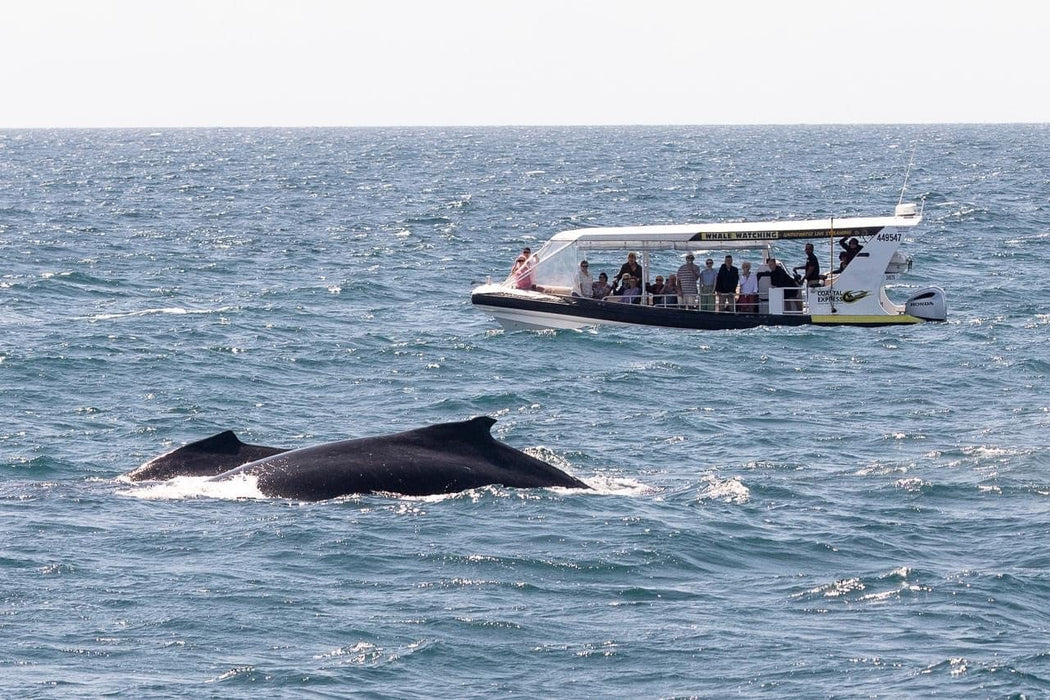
(731, 490)
(170, 310)
(238, 487)
(606, 485)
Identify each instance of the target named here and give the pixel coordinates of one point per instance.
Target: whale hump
(208, 457)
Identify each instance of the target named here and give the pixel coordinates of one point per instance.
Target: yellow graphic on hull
(827, 295)
(849, 296)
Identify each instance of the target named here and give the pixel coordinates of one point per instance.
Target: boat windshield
(553, 265)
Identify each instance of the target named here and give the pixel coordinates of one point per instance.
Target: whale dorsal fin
(480, 424)
(223, 443)
(478, 428)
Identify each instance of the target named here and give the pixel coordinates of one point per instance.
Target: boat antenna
(907, 174)
(831, 284)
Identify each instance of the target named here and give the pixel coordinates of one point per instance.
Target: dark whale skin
(443, 458)
(207, 457)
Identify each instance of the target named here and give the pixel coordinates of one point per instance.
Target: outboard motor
(929, 304)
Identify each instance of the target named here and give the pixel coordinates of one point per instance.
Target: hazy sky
(391, 62)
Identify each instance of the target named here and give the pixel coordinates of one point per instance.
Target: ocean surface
(777, 512)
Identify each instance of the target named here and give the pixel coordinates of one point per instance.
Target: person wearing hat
(708, 278)
(687, 275)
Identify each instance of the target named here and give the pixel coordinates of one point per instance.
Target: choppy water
(779, 511)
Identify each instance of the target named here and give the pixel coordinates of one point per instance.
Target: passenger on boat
(726, 282)
(688, 274)
(631, 267)
(779, 277)
(843, 259)
(583, 286)
(601, 288)
(657, 290)
(526, 253)
(708, 279)
(852, 248)
(747, 302)
(631, 291)
(812, 267)
(671, 291)
(522, 272)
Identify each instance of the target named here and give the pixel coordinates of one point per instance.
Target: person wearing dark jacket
(779, 277)
(631, 267)
(851, 248)
(725, 285)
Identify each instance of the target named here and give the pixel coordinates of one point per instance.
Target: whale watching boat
(539, 293)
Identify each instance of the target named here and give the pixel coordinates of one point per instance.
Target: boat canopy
(727, 235)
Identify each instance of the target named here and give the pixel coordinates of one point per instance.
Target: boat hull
(542, 312)
(517, 313)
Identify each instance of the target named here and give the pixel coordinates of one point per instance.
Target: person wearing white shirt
(747, 303)
(584, 284)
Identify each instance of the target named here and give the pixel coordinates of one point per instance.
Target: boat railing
(785, 301)
(778, 301)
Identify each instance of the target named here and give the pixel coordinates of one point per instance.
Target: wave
(731, 490)
(170, 310)
(896, 583)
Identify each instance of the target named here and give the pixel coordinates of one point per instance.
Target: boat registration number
(889, 237)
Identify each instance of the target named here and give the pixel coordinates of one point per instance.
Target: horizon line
(565, 125)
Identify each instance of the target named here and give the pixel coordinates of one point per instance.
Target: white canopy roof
(725, 236)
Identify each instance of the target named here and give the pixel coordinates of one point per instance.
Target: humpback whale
(206, 457)
(443, 458)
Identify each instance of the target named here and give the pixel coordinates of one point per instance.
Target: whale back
(443, 458)
(208, 457)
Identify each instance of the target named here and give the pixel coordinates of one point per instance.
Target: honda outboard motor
(929, 304)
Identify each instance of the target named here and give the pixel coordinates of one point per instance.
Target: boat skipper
(812, 267)
(779, 277)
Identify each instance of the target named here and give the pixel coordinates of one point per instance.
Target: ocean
(777, 512)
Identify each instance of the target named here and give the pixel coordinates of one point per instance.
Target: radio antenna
(907, 174)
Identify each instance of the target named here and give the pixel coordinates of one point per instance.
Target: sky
(153, 63)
